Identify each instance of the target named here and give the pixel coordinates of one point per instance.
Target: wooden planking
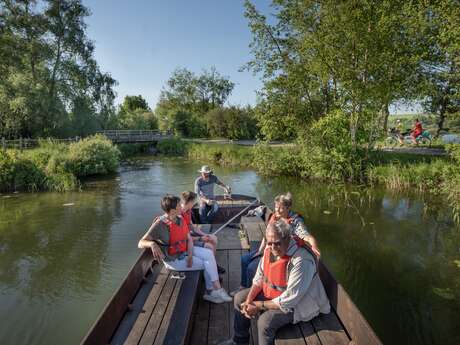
(228, 238)
(103, 329)
(182, 309)
(219, 329)
(252, 227)
(309, 334)
(329, 329)
(143, 318)
(199, 334)
(234, 279)
(137, 310)
(176, 321)
(289, 335)
(154, 323)
(352, 319)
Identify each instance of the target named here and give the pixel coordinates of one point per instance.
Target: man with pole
(204, 188)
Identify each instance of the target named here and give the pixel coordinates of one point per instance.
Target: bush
(274, 161)
(19, 173)
(172, 146)
(227, 154)
(94, 155)
(329, 152)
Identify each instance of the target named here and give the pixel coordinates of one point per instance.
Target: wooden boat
(151, 307)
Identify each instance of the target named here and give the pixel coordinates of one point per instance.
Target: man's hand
(249, 310)
(206, 238)
(156, 252)
(189, 261)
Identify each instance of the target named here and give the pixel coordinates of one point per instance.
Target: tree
(135, 113)
(48, 68)
(231, 122)
(441, 66)
(318, 56)
(191, 96)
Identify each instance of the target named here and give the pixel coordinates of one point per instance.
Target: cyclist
(416, 131)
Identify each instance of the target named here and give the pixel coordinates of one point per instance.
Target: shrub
(93, 156)
(278, 160)
(17, 172)
(329, 152)
(172, 146)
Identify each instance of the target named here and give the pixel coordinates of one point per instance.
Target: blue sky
(141, 42)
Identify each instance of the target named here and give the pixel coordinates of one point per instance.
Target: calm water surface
(62, 255)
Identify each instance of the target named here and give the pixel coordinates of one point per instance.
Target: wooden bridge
(116, 136)
(135, 136)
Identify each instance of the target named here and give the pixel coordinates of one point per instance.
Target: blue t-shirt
(206, 188)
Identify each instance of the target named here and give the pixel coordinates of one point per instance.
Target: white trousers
(203, 259)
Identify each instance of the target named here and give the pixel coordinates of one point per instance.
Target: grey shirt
(206, 188)
(160, 235)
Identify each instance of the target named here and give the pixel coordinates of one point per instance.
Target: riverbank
(55, 166)
(398, 171)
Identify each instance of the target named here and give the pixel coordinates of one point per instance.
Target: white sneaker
(225, 295)
(217, 296)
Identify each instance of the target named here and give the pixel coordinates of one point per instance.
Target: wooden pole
(4, 144)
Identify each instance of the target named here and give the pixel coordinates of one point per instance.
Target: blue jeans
(207, 212)
(249, 268)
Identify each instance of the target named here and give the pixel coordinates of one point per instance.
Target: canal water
(62, 255)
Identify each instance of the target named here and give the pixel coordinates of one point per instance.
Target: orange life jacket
(187, 217)
(274, 281)
(177, 236)
(275, 273)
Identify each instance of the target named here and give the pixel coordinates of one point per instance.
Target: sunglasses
(276, 243)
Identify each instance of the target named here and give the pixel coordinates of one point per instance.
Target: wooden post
(20, 143)
(3, 144)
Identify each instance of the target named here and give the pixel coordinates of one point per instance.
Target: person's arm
(189, 250)
(147, 241)
(222, 185)
(301, 231)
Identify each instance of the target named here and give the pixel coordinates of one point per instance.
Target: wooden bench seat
(149, 320)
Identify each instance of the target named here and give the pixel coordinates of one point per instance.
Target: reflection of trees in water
(49, 249)
(390, 251)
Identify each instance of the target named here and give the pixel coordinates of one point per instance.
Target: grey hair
(284, 199)
(281, 229)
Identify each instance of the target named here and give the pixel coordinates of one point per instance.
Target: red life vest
(177, 236)
(187, 217)
(275, 273)
(274, 281)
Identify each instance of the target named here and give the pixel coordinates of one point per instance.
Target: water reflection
(394, 253)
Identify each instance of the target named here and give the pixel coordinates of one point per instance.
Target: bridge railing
(134, 135)
(27, 143)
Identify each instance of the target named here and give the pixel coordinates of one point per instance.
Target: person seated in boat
(286, 289)
(204, 188)
(283, 205)
(200, 238)
(170, 241)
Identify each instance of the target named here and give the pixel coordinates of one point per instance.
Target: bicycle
(425, 138)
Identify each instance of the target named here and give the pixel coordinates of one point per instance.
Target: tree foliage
(357, 56)
(50, 81)
(187, 98)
